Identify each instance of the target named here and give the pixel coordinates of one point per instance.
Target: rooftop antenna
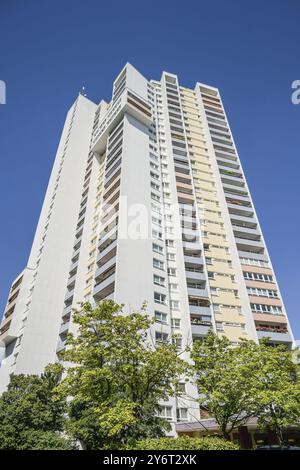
(82, 92)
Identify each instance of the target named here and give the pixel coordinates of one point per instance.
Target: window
(173, 287)
(158, 280)
(155, 197)
(161, 337)
(171, 256)
(216, 307)
(266, 308)
(159, 298)
(174, 304)
(158, 263)
(258, 276)
(154, 186)
(181, 388)
(175, 322)
(182, 414)
(169, 242)
(165, 412)
(171, 271)
(177, 341)
(161, 317)
(156, 234)
(157, 248)
(219, 326)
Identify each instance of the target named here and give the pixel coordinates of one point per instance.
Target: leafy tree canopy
(116, 377)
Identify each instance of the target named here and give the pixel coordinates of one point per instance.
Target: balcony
(200, 330)
(199, 310)
(64, 328)
(249, 245)
(104, 288)
(192, 246)
(252, 233)
(111, 262)
(195, 292)
(6, 334)
(198, 276)
(129, 103)
(275, 337)
(69, 296)
(107, 253)
(237, 197)
(237, 209)
(243, 219)
(197, 260)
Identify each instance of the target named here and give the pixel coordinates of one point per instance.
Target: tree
(249, 380)
(278, 389)
(31, 413)
(116, 377)
(225, 379)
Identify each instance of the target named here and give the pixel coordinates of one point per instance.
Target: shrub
(183, 443)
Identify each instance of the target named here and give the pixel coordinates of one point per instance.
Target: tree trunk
(279, 435)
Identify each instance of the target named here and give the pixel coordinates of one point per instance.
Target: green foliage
(116, 377)
(44, 440)
(31, 413)
(183, 443)
(225, 378)
(278, 389)
(248, 380)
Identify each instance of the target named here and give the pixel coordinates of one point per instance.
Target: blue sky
(249, 49)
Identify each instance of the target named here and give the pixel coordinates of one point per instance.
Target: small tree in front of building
(226, 385)
(116, 377)
(278, 389)
(248, 380)
(32, 415)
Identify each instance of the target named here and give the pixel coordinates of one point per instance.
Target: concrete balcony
(190, 234)
(197, 292)
(249, 245)
(237, 197)
(241, 218)
(73, 267)
(182, 165)
(104, 288)
(225, 155)
(111, 262)
(71, 281)
(235, 165)
(275, 337)
(67, 310)
(192, 246)
(245, 254)
(64, 328)
(198, 260)
(69, 296)
(198, 310)
(252, 232)
(60, 346)
(200, 330)
(195, 276)
(104, 255)
(129, 102)
(243, 210)
(111, 235)
(232, 181)
(227, 175)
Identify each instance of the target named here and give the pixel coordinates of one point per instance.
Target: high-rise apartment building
(147, 201)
